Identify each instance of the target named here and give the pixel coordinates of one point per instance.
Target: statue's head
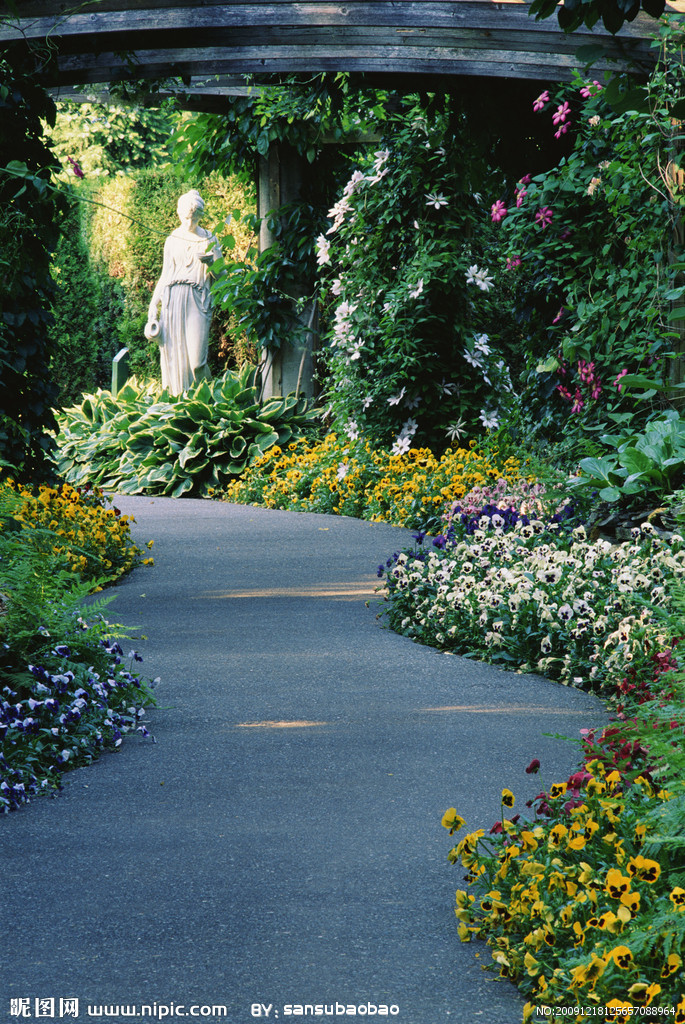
(190, 203)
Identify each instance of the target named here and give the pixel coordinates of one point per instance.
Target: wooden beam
(486, 15)
(169, 38)
(243, 60)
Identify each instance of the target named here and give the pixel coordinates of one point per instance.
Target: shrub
(30, 211)
(408, 269)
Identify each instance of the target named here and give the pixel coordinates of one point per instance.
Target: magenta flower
(590, 90)
(520, 196)
(76, 167)
(559, 315)
(513, 262)
(586, 371)
(534, 767)
(564, 392)
(498, 211)
(578, 402)
(561, 130)
(561, 113)
(618, 386)
(525, 180)
(544, 217)
(539, 103)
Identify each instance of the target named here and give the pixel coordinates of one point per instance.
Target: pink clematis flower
(539, 103)
(525, 180)
(544, 217)
(498, 211)
(559, 315)
(561, 130)
(617, 385)
(590, 90)
(513, 262)
(520, 196)
(561, 113)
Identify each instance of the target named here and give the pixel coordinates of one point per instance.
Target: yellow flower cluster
(354, 479)
(569, 902)
(76, 529)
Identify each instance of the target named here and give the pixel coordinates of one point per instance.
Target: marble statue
(180, 311)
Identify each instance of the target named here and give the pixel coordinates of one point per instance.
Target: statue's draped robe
(186, 311)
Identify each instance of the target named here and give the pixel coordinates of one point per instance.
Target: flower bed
(581, 898)
(583, 906)
(65, 693)
(535, 594)
(64, 709)
(74, 527)
(351, 478)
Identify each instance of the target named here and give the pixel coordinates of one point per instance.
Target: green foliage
(264, 294)
(87, 311)
(103, 139)
(572, 14)
(259, 292)
(408, 289)
(29, 216)
(149, 441)
(299, 113)
(641, 468)
(587, 246)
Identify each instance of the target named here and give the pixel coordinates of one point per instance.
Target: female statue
(183, 292)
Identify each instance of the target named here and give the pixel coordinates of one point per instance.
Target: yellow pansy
(452, 821)
(643, 994)
(672, 964)
(616, 884)
(622, 957)
(644, 869)
(677, 898)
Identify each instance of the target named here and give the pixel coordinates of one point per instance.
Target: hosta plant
(147, 441)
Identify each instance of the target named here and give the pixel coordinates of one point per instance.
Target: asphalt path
(280, 844)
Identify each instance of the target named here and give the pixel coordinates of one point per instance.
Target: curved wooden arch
(110, 40)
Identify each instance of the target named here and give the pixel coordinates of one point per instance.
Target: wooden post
(290, 367)
(675, 180)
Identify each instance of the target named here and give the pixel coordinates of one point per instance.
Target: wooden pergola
(110, 40)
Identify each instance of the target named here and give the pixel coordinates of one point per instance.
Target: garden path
(281, 842)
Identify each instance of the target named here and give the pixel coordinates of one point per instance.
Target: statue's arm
(210, 257)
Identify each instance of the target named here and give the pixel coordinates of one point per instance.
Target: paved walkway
(280, 844)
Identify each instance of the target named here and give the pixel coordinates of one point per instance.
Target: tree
(30, 213)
